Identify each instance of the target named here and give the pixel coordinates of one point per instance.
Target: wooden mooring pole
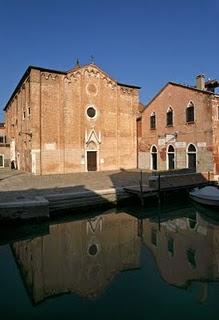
(159, 200)
(141, 189)
(159, 189)
(209, 177)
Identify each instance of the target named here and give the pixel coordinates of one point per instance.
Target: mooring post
(159, 189)
(209, 177)
(140, 227)
(159, 217)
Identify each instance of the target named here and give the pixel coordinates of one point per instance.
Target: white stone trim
(167, 157)
(194, 152)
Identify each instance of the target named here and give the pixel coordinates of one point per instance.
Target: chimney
(200, 82)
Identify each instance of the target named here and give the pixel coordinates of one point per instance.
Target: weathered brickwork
(61, 122)
(184, 143)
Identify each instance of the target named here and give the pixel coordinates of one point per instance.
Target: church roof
(77, 67)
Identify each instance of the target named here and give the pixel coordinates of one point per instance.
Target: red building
(180, 128)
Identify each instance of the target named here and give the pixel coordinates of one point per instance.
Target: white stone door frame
(85, 157)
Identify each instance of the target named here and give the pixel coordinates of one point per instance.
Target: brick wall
(181, 134)
(56, 133)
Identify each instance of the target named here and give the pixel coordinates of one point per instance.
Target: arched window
(153, 158)
(170, 117)
(191, 257)
(190, 113)
(191, 157)
(153, 121)
(192, 222)
(1, 160)
(170, 158)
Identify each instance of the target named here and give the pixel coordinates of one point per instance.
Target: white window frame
(167, 158)
(168, 110)
(194, 110)
(151, 157)
(187, 156)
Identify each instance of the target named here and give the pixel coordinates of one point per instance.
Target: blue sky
(140, 42)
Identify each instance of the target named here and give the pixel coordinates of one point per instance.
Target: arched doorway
(170, 158)
(153, 158)
(191, 157)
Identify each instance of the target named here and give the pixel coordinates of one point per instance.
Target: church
(76, 121)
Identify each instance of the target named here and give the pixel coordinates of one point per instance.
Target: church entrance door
(91, 160)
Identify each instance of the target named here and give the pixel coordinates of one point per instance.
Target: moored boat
(208, 195)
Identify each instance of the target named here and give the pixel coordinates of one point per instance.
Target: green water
(119, 264)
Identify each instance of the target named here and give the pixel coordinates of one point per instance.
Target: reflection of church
(80, 257)
(83, 257)
(185, 249)
(74, 121)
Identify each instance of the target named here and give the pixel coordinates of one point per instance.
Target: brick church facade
(81, 120)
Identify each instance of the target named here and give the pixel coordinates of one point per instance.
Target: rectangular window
(29, 111)
(1, 139)
(24, 115)
(153, 122)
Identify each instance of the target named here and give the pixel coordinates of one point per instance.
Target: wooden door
(171, 163)
(91, 160)
(154, 161)
(192, 161)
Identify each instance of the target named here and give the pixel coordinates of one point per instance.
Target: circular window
(92, 89)
(93, 250)
(91, 112)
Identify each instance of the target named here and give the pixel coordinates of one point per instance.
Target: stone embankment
(24, 196)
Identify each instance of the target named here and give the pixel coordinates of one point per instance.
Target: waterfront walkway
(16, 184)
(25, 196)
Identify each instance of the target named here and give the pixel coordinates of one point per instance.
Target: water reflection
(80, 257)
(184, 249)
(84, 256)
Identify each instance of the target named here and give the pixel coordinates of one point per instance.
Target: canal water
(125, 263)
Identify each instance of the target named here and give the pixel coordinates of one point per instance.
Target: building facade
(180, 128)
(80, 120)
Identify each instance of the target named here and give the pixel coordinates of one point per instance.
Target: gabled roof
(182, 86)
(77, 67)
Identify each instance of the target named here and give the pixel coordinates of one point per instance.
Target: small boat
(208, 195)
